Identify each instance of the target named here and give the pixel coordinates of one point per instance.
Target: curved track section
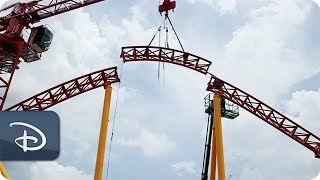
(153, 53)
(68, 90)
(266, 113)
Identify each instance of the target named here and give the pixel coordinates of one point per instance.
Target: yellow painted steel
(103, 133)
(213, 163)
(218, 134)
(3, 171)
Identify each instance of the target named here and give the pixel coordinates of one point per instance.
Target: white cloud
(54, 171)
(2, 177)
(306, 105)
(152, 144)
(317, 2)
(184, 168)
(317, 178)
(269, 42)
(263, 58)
(2, 2)
(250, 173)
(224, 6)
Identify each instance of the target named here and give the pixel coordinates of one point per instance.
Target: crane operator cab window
(40, 39)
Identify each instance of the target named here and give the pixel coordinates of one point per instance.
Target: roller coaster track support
(3, 171)
(265, 113)
(103, 133)
(217, 149)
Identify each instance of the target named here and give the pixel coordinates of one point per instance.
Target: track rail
(161, 54)
(68, 90)
(266, 113)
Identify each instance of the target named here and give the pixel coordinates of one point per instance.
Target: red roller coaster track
(161, 54)
(68, 90)
(266, 113)
(97, 79)
(216, 85)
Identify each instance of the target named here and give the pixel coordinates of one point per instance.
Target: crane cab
(39, 41)
(40, 38)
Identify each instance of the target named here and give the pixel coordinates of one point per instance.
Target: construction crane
(16, 47)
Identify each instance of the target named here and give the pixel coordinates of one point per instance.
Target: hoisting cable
(167, 46)
(176, 34)
(114, 121)
(166, 43)
(159, 45)
(158, 31)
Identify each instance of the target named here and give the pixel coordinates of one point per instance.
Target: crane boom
(266, 113)
(35, 11)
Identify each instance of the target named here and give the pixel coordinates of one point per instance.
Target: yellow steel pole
(3, 171)
(103, 133)
(213, 155)
(218, 134)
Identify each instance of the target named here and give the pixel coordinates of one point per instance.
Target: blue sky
(268, 48)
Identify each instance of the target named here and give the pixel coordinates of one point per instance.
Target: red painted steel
(166, 6)
(153, 53)
(12, 45)
(68, 90)
(266, 113)
(8, 64)
(35, 11)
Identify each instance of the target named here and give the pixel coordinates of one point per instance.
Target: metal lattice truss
(68, 90)
(266, 113)
(8, 64)
(6, 61)
(161, 54)
(41, 9)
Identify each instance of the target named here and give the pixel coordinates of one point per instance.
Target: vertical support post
(103, 133)
(218, 138)
(213, 165)
(3, 171)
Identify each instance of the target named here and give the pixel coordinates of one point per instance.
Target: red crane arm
(161, 54)
(55, 7)
(41, 9)
(266, 113)
(68, 90)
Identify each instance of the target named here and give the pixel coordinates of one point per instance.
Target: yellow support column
(218, 134)
(213, 155)
(3, 171)
(103, 133)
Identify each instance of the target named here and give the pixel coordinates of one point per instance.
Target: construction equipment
(211, 153)
(17, 45)
(20, 40)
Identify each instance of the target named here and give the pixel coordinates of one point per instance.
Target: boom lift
(214, 145)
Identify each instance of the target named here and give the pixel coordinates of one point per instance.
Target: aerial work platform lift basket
(228, 109)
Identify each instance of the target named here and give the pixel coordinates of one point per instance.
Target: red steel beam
(152, 53)
(8, 64)
(266, 113)
(41, 9)
(68, 90)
